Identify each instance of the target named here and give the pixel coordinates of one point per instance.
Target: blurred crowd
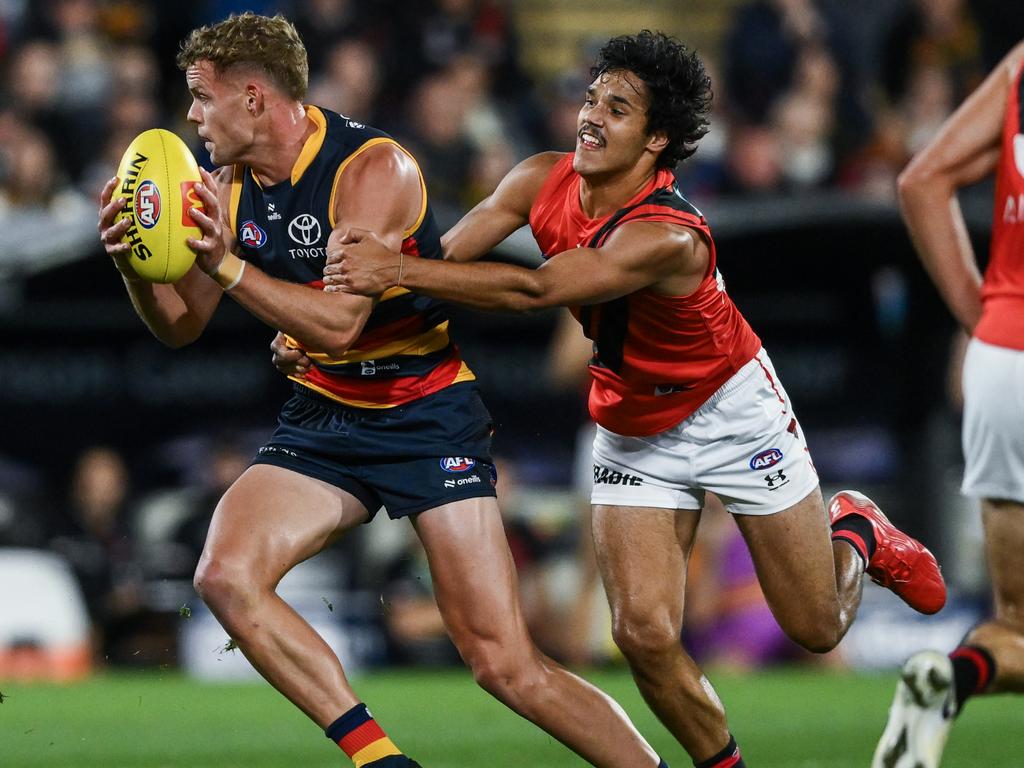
(801, 103)
(798, 108)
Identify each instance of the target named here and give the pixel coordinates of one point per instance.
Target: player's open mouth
(590, 140)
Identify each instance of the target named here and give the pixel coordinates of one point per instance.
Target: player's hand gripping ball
(157, 178)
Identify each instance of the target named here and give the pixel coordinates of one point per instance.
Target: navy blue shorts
(410, 458)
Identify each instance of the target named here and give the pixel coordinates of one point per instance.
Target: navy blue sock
(728, 758)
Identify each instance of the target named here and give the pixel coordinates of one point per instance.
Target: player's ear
(254, 99)
(657, 141)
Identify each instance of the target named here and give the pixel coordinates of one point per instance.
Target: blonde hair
(269, 44)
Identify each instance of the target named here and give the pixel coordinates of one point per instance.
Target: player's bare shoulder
(1014, 61)
(380, 186)
(522, 184)
(535, 169)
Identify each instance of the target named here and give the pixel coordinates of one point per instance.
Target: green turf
(783, 719)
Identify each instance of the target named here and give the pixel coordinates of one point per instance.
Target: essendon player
(985, 135)
(685, 398)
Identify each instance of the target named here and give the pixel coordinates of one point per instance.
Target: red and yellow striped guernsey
(404, 351)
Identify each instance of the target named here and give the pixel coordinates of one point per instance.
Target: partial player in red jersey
(685, 397)
(985, 135)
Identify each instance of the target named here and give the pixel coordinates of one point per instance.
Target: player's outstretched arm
(175, 313)
(965, 150)
(635, 256)
(503, 211)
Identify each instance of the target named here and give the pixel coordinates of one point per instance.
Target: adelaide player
(685, 398)
(388, 415)
(984, 136)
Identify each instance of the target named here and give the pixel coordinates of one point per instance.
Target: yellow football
(157, 177)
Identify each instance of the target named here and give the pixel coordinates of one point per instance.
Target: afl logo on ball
(766, 459)
(457, 464)
(147, 204)
(250, 234)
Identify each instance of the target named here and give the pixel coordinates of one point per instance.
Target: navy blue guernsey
(404, 351)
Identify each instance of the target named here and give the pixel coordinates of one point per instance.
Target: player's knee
(496, 667)
(642, 638)
(217, 582)
(816, 636)
(494, 671)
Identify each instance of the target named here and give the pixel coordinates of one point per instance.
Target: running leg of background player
(642, 553)
(258, 533)
(476, 589)
(1003, 637)
(812, 583)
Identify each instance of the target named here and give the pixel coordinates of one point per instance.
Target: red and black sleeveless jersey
(1002, 292)
(657, 358)
(404, 351)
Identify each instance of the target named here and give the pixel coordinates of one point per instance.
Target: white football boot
(921, 714)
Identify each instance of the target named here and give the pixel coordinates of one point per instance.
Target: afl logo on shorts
(147, 204)
(249, 234)
(457, 464)
(766, 459)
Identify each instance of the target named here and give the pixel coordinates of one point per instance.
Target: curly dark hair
(678, 87)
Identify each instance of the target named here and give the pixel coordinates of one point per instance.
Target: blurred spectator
(226, 462)
(32, 87)
(413, 626)
(439, 140)
(788, 64)
(350, 81)
(753, 162)
(91, 530)
(31, 182)
(931, 34)
(326, 24)
(928, 100)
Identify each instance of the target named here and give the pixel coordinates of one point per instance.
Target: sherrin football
(157, 177)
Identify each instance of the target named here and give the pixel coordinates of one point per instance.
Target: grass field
(782, 719)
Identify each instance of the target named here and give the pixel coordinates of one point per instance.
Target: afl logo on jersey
(766, 459)
(1018, 152)
(147, 204)
(250, 234)
(457, 464)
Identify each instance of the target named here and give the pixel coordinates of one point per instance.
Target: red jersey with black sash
(657, 358)
(1002, 292)
(404, 351)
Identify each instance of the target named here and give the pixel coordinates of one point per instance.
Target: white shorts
(993, 428)
(743, 444)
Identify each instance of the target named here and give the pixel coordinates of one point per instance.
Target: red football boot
(900, 563)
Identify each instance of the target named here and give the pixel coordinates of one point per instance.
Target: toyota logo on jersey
(147, 204)
(457, 464)
(304, 229)
(250, 234)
